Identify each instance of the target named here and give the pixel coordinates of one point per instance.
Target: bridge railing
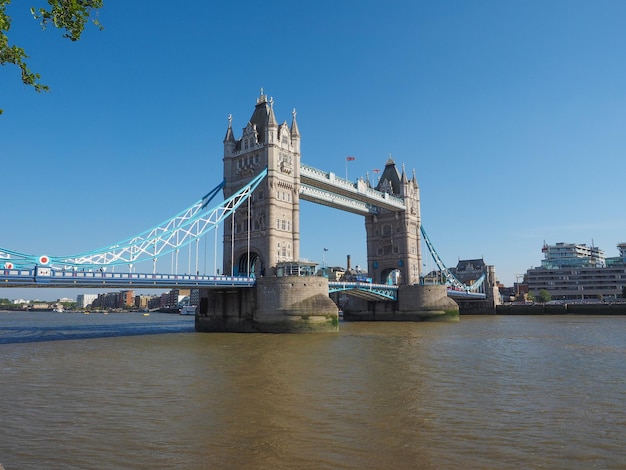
(337, 200)
(16, 277)
(354, 188)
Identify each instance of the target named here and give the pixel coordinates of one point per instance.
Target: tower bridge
(264, 180)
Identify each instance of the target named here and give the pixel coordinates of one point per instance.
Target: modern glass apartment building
(578, 272)
(563, 255)
(618, 260)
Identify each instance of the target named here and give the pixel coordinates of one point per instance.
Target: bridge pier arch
(390, 276)
(249, 264)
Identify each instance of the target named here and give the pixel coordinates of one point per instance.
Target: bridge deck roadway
(27, 278)
(80, 279)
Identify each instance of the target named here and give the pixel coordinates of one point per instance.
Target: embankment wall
(562, 309)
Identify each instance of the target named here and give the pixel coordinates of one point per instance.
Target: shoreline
(562, 309)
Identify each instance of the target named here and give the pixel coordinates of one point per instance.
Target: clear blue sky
(512, 113)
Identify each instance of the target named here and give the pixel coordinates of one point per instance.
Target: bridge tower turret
(269, 231)
(394, 238)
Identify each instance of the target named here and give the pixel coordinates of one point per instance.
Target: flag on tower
(349, 159)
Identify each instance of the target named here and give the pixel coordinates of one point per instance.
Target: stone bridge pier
(415, 303)
(289, 304)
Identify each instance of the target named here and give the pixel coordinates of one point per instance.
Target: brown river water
(127, 391)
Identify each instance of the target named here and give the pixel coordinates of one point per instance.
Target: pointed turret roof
(390, 176)
(260, 116)
(295, 132)
(271, 119)
(230, 137)
(414, 180)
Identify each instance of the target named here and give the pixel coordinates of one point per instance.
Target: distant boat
(188, 310)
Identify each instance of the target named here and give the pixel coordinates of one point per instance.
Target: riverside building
(578, 272)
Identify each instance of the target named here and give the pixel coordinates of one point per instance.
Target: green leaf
(68, 15)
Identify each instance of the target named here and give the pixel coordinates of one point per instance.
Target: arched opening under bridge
(391, 276)
(253, 267)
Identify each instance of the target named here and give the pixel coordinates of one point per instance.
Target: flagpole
(348, 159)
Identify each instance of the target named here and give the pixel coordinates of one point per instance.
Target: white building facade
(578, 272)
(85, 300)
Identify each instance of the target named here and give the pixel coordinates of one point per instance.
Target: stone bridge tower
(269, 232)
(394, 238)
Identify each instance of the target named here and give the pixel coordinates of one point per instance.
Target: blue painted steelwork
(462, 294)
(365, 290)
(389, 292)
(163, 239)
(46, 277)
(451, 280)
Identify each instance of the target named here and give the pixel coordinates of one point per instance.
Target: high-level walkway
(328, 189)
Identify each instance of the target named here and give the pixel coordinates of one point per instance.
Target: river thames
(128, 391)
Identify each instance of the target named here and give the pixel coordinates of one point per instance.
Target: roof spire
(295, 132)
(230, 137)
(262, 97)
(271, 119)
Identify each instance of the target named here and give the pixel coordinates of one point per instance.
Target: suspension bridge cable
(153, 243)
